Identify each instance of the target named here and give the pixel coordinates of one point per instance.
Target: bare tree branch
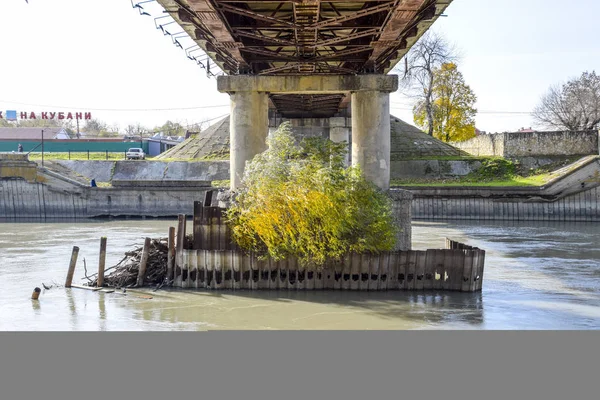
(429, 53)
(574, 106)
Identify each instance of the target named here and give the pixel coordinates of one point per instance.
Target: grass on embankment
(494, 172)
(101, 156)
(96, 156)
(533, 180)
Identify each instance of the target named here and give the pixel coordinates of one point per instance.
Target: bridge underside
(305, 37)
(308, 59)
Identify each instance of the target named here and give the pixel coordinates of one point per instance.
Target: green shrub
(299, 200)
(495, 168)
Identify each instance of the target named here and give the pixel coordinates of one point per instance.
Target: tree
(427, 55)
(452, 106)
(301, 201)
(574, 106)
(95, 127)
(130, 130)
(172, 129)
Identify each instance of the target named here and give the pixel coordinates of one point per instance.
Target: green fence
(64, 146)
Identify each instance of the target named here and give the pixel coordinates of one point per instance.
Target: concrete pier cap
(310, 84)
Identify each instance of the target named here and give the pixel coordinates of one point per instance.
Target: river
(539, 275)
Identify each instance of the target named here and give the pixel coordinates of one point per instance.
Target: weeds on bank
(96, 156)
(493, 172)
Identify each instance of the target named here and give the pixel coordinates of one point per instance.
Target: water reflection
(72, 308)
(102, 311)
(35, 304)
(313, 310)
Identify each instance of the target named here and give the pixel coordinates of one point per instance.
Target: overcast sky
(103, 56)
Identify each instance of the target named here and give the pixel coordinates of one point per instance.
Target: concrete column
(339, 131)
(248, 130)
(371, 135)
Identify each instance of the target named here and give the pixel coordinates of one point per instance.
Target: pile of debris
(125, 273)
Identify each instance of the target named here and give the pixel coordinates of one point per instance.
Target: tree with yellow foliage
(299, 200)
(453, 106)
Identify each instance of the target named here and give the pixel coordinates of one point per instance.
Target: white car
(135, 153)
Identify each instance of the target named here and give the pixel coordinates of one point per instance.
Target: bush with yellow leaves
(299, 200)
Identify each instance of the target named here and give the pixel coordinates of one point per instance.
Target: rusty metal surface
(305, 37)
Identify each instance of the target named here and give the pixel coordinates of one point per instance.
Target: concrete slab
(101, 171)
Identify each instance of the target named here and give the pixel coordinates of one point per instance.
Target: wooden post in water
(72, 264)
(36, 293)
(143, 262)
(180, 244)
(197, 225)
(101, 262)
(171, 253)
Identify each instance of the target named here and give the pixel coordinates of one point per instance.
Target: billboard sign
(11, 115)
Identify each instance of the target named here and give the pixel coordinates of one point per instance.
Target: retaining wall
(571, 197)
(144, 173)
(22, 200)
(583, 206)
(536, 144)
(134, 172)
(432, 168)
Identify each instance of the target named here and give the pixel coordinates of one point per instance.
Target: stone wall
(484, 145)
(537, 144)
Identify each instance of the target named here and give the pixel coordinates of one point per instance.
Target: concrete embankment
(157, 189)
(20, 199)
(573, 196)
(139, 189)
(149, 173)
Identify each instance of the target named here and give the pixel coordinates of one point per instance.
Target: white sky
(102, 56)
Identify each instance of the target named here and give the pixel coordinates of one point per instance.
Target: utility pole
(77, 119)
(42, 147)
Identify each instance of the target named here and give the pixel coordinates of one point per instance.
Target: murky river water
(538, 276)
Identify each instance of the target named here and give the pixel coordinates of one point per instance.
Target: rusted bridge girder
(305, 37)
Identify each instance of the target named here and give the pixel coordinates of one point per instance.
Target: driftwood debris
(125, 273)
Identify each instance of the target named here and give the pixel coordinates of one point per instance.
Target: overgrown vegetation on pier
(300, 200)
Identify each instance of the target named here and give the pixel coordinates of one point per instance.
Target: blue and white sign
(11, 115)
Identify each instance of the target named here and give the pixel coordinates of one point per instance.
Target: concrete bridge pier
(371, 135)
(249, 127)
(249, 124)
